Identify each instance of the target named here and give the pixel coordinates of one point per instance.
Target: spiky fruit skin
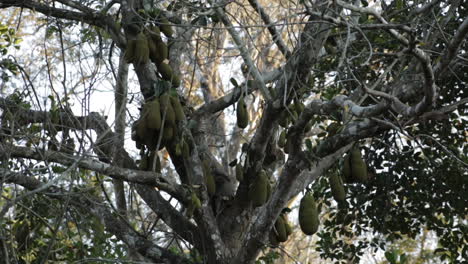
(141, 53)
(178, 110)
(168, 74)
(272, 238)
(282, 139)
(242, 114)
(185, 149)
(166, 107)
(280, 228)
(153, 114)
(358, 166)
(337, 187)
(258, 192)
(165, 27)
(143, 163)
(287, 225)
(239, 173)
(308, 215)
(168, 133)
(283, 120)
(347, 169)
(129, 55)
(209, 179)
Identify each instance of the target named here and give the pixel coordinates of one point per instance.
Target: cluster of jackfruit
(354, 167)
(287, 118)
(291, 114)
(280, 231)
(260, 189)
(157, 120)
(148, 45)
(308, 214)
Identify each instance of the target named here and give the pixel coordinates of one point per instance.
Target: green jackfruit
(178, 149)
(347, 169)
(165, 27)
(283, 120)
(168, 133)
(168, 74)
(194, 204)
(337, 188)
(308, 215)
(166, 107)
(258, 190)
(268, 190)
(143, 163)
(239, 172)
(287, 225)
(209, 179)
(280, 229)
(242, 114)
(153, 114)
(358, 166)
(282, 139)
(185, 149)
(129, 55)
(141, 52)
(272, 238)
(298, 106)
(178, 110)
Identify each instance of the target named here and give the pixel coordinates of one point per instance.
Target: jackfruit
(268, 190)
(153, 114)
(358, 166)
(209, 179)
(178, 110)
(258, 190)
(337, 187)
(185, 149)
(143, 163)
(283, 120)
(242, 114)
(239, 172)
(194, 204)
(129, 54)
(282, 139)
(165, 27)
(178, 149)
(141, 49)
(308, 215)
(287, 225)
(158, 51)
(168, 74)
(347, 169)
(166, 107)
(272, 238)
(168, 132)
(280, 229)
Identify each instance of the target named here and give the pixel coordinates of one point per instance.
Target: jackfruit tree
(229, 131)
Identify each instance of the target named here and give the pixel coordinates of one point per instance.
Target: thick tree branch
(114, 225)
(97, 123)
(275, 35)
(142, 177)
(92, 18)
(243, 52)
(451, 51)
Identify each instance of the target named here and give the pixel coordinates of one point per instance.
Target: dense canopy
(196, 131)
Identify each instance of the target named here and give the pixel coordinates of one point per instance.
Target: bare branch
(271, 28)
